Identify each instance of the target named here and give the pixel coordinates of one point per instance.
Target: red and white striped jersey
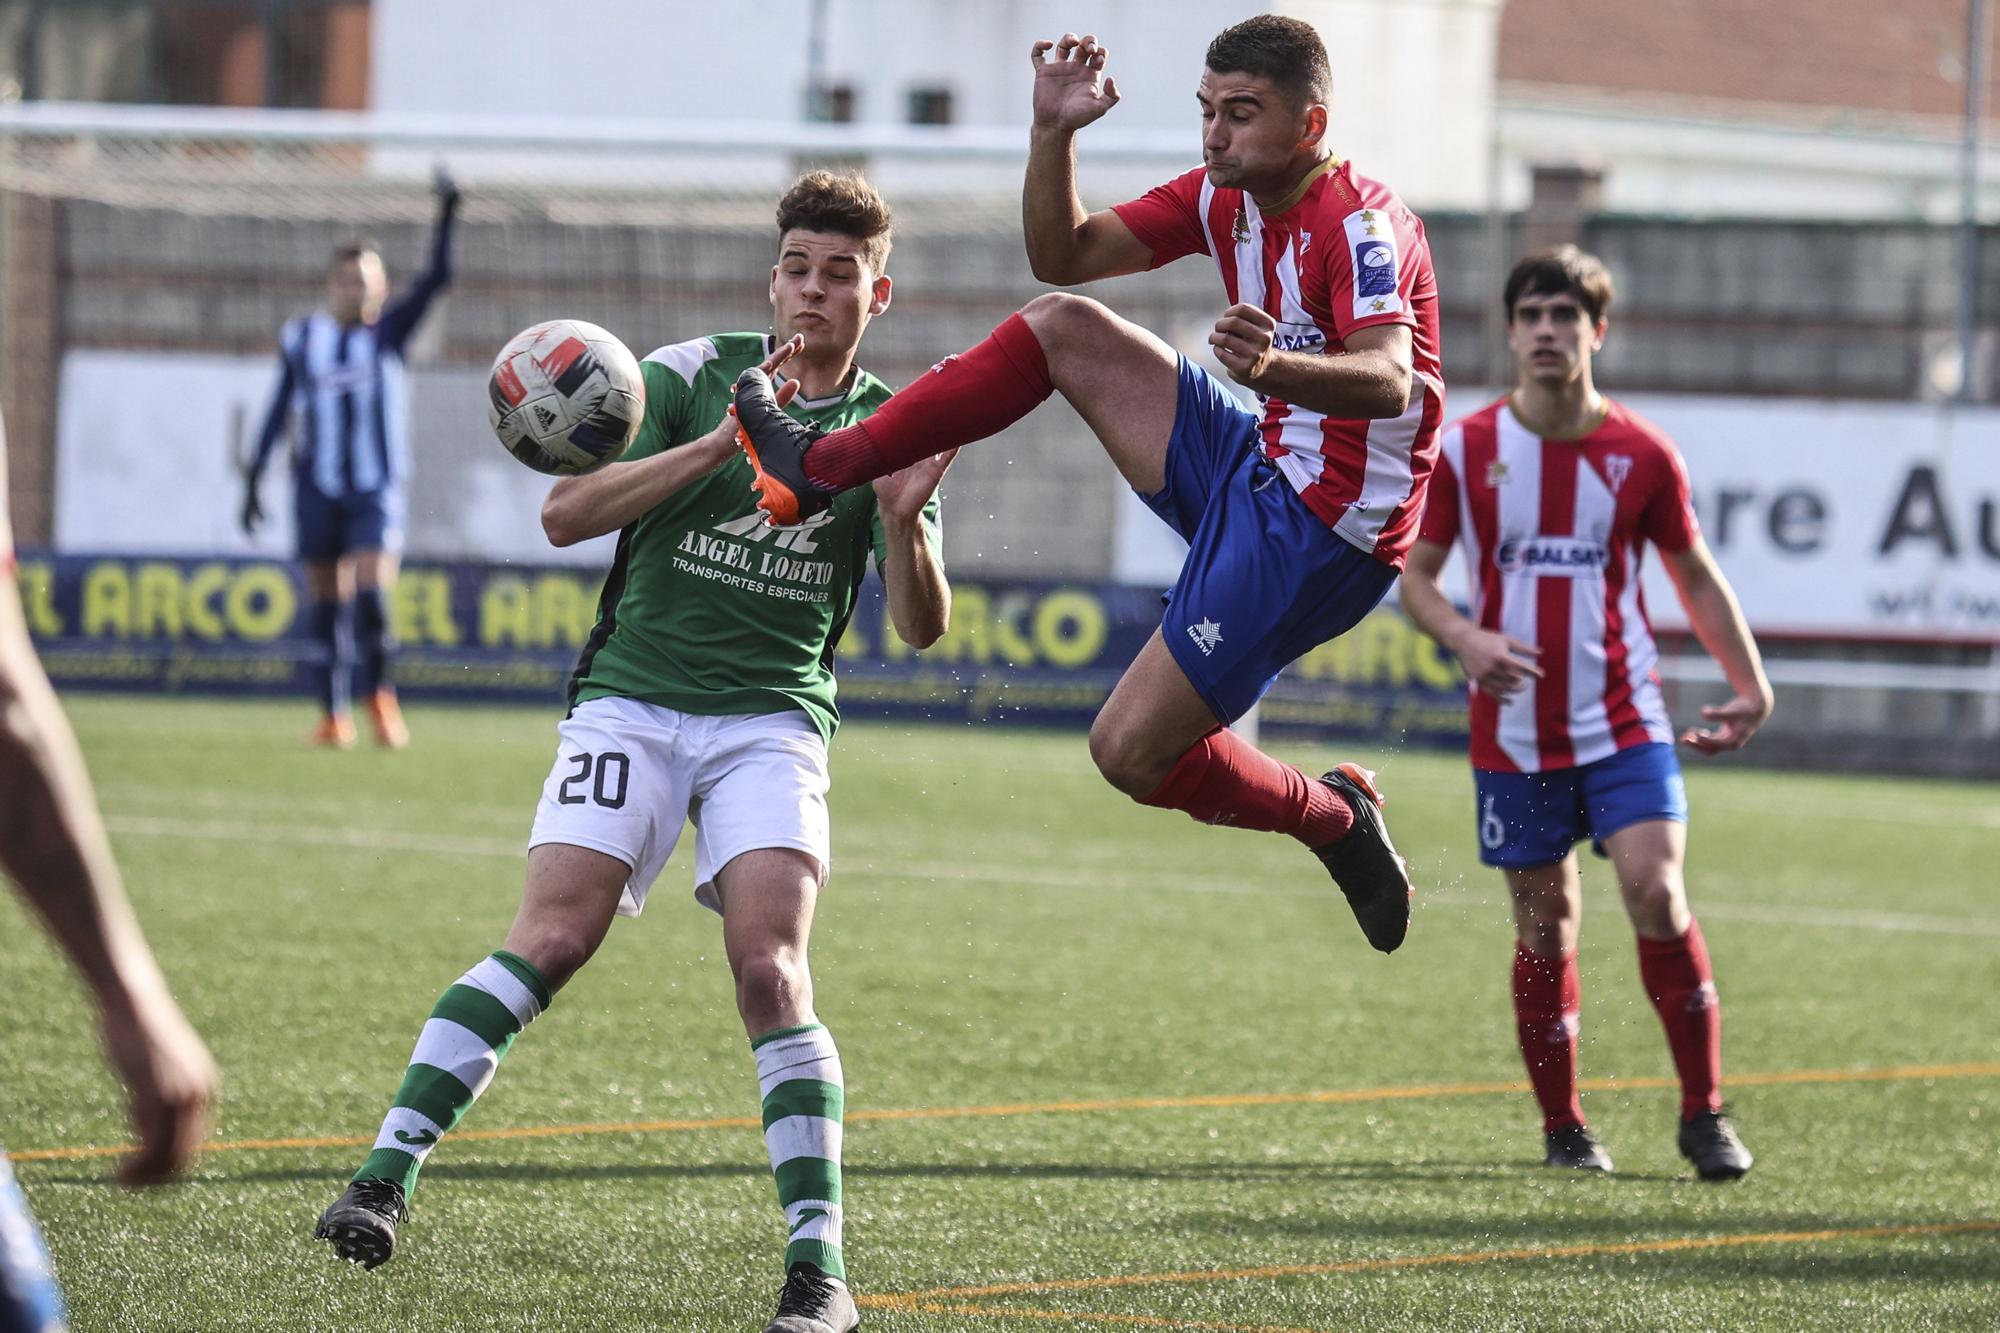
(1343, 254)
(1553, 534)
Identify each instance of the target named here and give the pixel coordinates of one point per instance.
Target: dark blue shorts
(1533, 819)
(331, 526)
(1265, 580)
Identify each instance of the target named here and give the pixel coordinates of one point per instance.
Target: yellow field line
(1223, 1101)
(927, 1300)
(1074, 1317)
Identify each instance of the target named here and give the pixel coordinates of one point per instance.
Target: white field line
(513, 849)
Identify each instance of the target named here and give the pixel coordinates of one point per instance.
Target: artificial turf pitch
(1105, 1068)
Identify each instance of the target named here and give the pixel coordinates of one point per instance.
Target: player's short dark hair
(1562, 271)
(841, 202)
(1287, 51)
(351, 249)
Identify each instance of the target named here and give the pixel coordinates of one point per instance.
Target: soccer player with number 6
(1553, 492)
(705, 694)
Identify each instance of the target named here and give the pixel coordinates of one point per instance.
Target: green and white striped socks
(474, 1023)
(798, 1070)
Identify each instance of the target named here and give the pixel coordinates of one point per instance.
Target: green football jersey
(706, 609)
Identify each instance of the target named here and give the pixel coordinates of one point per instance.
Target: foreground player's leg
(1120, 378)
(571, 896)
(767, 907)
(1548, 1003)
(1158, 741)
(1674, 967)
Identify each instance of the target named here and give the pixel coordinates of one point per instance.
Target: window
(930, 106)
(832, 105)
(293, 53)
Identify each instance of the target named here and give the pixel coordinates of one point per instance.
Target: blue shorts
(1533, 819)
(1266, 581)
(331, 526)
(29, 1301)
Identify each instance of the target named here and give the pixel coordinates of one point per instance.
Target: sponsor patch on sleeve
(1371, 244)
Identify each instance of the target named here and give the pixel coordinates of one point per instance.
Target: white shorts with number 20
(629, 775)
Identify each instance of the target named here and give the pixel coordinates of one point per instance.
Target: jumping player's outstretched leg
(1119, 377)
(572, 893)
(1159, 741)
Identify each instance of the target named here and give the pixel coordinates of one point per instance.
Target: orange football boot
(387, 715)
(776, 446)
(333, 732)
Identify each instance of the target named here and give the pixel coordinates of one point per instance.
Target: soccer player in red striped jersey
(1298, 513)
(1553, 493)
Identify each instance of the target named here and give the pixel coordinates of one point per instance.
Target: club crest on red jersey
(1617, 467)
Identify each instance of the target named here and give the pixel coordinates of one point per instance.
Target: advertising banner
(1040, 653)
(1844, 520)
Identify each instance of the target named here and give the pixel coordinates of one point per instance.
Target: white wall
(1738, 162)
(1412, 78)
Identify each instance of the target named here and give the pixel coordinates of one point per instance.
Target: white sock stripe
(807, 1055)
(491, 975)
(457, 1050)
(413, 1123)
(803, 1136)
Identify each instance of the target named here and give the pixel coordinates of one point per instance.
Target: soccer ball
(565, 397)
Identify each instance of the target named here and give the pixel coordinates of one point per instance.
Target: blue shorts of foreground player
(29, 1301)
(1265, 580)
(1533, 819)
(332, 526)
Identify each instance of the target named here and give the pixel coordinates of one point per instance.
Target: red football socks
(979, 392)
(1223, 779)
(1547, 999)
(1677, 978)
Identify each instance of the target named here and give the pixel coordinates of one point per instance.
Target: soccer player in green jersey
(705, 694)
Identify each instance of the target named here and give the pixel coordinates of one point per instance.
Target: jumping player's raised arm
(1066, 244)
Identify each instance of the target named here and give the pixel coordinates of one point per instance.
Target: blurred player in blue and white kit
(53, 846)
(341, 376)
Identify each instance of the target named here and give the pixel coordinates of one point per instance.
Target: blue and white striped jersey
(348, 390)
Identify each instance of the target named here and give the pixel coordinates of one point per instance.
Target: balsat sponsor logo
(1562, 557)
(1295, 337)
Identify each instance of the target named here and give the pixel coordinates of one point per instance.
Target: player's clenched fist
(1242, 341)
(1070, 87)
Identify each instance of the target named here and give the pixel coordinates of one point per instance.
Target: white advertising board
(1843, 519)
(147, 449)
(1837, 520)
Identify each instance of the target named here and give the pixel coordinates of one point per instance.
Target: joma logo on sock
(421, 1139)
